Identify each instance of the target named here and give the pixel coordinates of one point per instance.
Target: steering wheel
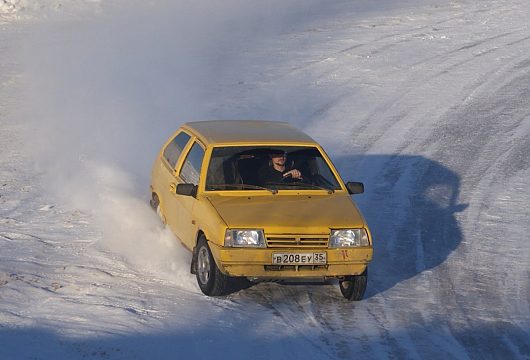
(287, 178)
(290, 178)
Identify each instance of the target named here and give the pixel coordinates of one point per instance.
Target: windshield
(269, 167)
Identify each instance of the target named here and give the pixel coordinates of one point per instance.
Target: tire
(210, 279)
(155, 205)
(154, 202)
(353, 287)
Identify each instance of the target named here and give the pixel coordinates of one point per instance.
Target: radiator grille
(299, 241)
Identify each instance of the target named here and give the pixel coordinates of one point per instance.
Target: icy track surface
(427, 103)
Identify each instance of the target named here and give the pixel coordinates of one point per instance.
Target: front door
(166, 177)
(189, 173)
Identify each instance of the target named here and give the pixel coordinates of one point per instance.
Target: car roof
(247, 131)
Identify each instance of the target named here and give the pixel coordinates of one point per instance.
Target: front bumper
(258, 262)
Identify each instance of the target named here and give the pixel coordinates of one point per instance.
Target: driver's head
(278, 157)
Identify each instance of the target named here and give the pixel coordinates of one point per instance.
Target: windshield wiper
(240, 186)
(299, 183)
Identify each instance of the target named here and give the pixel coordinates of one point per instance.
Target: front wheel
(353, 287)
(210, 279)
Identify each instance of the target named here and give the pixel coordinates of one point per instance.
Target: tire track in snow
(486, 157)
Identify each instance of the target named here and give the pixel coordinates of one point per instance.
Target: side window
(174, 149)
(191, 169)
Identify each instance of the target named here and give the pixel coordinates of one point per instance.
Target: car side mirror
(187, 189)
(355, 187)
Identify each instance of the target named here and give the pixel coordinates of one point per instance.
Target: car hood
(314, 214)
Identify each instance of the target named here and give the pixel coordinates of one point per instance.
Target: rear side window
(191, 169)
(174, 149)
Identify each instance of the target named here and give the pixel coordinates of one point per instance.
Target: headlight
(348, 238)
(244, 238)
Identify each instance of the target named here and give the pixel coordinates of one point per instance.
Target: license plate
(299, 258)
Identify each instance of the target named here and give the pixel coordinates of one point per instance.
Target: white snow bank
(41, 9)
(8, 6)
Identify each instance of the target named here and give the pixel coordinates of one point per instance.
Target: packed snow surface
(426, 102)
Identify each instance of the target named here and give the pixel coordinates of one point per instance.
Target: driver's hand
(295, 174)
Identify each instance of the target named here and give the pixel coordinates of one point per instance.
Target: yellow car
(260, 200)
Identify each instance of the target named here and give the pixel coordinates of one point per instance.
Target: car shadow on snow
(410, 204)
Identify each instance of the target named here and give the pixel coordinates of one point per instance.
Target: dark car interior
(231, 166)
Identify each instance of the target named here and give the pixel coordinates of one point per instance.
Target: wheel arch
(201, 232)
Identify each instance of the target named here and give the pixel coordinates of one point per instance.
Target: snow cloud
(105, 93)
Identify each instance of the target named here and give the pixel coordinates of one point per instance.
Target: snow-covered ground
(426, 102)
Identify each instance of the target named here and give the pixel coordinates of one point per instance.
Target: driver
(276, 170)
